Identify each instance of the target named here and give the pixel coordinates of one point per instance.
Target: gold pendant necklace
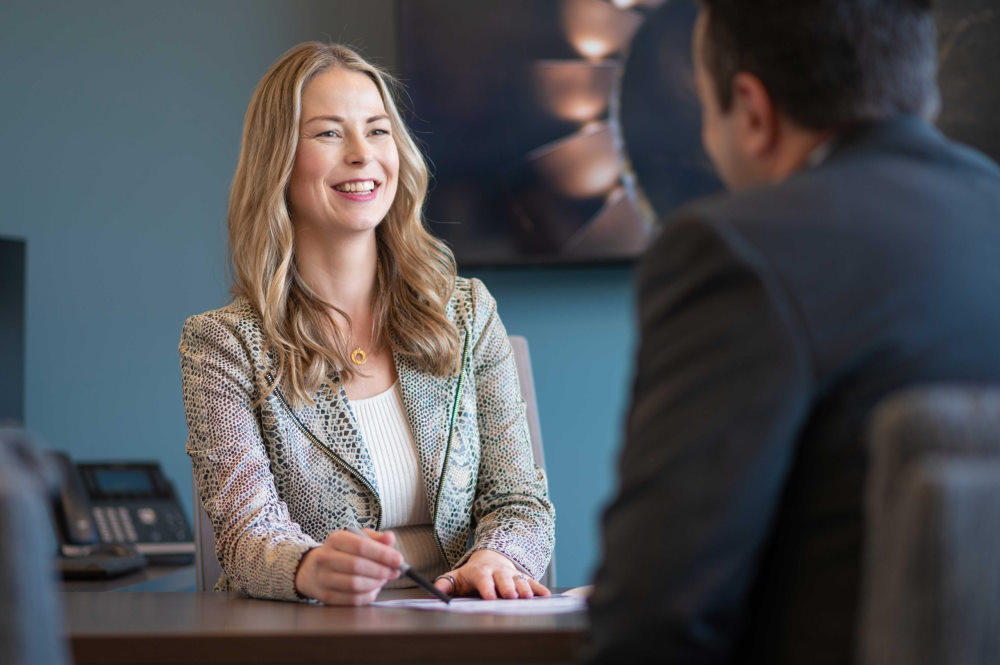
(358, 355)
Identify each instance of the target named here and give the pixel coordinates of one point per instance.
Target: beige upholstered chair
(207, 568)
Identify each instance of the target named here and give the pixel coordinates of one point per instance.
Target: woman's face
(346, 165)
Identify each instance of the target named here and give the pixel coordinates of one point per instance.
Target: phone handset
(76, 525)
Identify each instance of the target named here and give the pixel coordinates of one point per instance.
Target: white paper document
(558, 604)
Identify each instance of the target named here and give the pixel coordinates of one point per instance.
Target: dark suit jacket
(771, 322)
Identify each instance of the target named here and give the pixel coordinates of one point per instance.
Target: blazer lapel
(332, 424)
(429, 401)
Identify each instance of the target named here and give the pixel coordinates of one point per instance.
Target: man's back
(894, 275)
(773, 320)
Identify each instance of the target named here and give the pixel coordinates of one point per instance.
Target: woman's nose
(358, 153)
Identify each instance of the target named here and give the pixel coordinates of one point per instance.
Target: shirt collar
(819, 154)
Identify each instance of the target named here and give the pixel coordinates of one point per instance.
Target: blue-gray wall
(578, 325)
(119, 131)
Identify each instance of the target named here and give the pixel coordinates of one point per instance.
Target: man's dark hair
(827, 63)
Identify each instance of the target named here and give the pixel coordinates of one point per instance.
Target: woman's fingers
(492, 576)
(384, 537)
(376, 547)
(349, 569)
(512, 584)
(522, 586)
(347, 583)
(469, 579)
(447, 583)
(335, 556)
(481, 578)
(504, 581)
(350, 564)
(538, 588)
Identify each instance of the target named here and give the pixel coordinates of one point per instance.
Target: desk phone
(128, 503)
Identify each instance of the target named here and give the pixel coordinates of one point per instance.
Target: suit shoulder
(719, 218)
(238, 319)
(974, 160)
(471, 303)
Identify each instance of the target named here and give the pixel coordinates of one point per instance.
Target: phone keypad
(140, 523)
(115, 524)
(126, 520)
(117, 531)
(102, 525)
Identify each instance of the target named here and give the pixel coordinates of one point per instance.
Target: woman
(354, 381)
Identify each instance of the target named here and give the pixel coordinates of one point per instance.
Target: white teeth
(358, 186)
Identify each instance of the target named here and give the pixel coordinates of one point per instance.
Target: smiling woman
(346, 156)
(355, 380)
(306, 132)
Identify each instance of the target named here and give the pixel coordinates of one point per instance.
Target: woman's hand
(491, 574)
(348, 569)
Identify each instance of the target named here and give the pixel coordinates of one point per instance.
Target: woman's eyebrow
(337, 118)
(332, 118)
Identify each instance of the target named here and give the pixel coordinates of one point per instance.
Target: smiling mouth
(357, 187)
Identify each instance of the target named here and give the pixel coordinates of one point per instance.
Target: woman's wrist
(299, 578)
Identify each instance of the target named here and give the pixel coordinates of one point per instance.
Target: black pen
(405, 569)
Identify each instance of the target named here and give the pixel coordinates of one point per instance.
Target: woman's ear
(756, 117)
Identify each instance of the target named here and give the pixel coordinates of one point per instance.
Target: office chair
(31, 622)
(526, 378)
(207, 568)
(931, 583)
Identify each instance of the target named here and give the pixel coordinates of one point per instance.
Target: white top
(386, 433)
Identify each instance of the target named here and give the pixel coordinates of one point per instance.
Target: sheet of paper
(558, 604)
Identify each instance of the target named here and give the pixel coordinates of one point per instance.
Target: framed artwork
(968, 72)
(558, 131)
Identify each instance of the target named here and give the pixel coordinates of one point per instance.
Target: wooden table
(150, 578)
(207, 627)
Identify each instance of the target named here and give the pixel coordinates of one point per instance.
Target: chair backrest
(931, 583)
(207, 568)
(525, 377)
(31, 614)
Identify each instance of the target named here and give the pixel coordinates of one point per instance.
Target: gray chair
(931, 583)
(31, 617)
(207, 568)
(525, 377)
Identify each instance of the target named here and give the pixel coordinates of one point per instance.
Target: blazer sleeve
(257, 543)
(512, 511)
(720, 393)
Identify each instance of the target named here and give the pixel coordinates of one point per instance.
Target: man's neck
(798, 148)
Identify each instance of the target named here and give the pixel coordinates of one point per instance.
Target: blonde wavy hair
(415, 273)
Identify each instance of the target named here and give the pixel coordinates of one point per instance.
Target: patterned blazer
(275, 480)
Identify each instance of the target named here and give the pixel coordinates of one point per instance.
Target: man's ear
(756, 117)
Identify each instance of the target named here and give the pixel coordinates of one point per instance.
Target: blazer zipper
(447, 450)
(334, 456)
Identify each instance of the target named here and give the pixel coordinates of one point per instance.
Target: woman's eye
(328, 134)
(380, 132)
